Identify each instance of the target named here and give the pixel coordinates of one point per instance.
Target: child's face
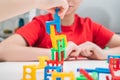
(73, 6)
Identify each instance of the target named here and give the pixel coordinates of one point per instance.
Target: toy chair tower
(59, 42)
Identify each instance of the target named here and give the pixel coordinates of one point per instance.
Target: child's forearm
(112, 51)
(105, 53)
(20, 53)
(11, 8)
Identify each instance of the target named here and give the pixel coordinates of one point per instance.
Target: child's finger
(52, 10)
(87, 52)
(63, 9)
(61, 13)
(73, 53)
(82, 53)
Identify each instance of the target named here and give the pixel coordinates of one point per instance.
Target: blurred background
(105, 12)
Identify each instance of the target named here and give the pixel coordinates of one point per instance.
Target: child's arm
(15, 49)
(93, 51)
(114, 46)
(11, 8)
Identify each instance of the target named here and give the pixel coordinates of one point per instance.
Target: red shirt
(82, 30)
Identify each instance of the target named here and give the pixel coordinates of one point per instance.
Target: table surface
(14, 70)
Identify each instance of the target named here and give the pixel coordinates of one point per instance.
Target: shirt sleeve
(31, 32)
(101, 35)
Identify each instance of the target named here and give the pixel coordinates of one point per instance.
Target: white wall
(106, 12)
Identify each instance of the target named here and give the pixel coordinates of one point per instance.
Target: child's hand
(90, 50)
(71, 48)
(50, 5)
